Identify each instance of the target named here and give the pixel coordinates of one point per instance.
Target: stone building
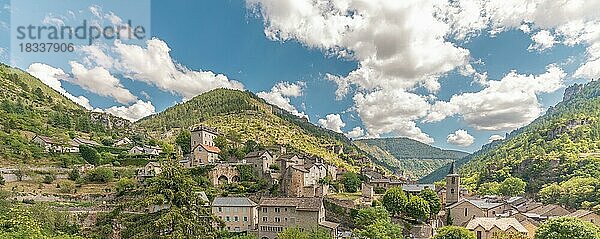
(587, 216)
(204, 150)
(262, 161)
(303, 180)
(467, 209)
(485, 228)
(452, 186)
(277, 214)
(224, 173)
(240, 214)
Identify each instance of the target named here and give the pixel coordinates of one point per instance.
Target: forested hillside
(242, 116)
(406, 156)
(558, 154)
(28, 107)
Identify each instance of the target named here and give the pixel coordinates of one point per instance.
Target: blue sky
(228, 37)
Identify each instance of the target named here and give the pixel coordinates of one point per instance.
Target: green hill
(406, 156)
(242, 116)
(28, 107)
(558, 154)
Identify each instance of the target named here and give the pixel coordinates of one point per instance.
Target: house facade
(486, 228)
(277, 214)
(262, 161)
(240, 214)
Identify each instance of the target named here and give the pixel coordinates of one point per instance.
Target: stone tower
(452, 186)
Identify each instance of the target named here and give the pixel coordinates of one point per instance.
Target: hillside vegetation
(241, 116)
(406, 156)
(558, 154)
(28, 107)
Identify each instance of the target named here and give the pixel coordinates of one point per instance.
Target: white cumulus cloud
(136, 111)
(495, 137)
(332, 122)
(542, 41)
(153, 64)
(280, 96)
(99, 80)
(506, 104)
(356, 132)
(51, 76)
(460, 138)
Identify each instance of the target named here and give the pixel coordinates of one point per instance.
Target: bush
(125, 184)
(48, 178)
(89, 154)
(100, 175)
(66, 187)
(74, 174)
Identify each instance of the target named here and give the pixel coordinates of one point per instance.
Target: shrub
(100, 175)
(66, 187)
(48, 178)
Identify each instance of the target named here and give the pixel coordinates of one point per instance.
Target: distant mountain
(28, 107)
(406, 156)
(562, 144)
(242, 116)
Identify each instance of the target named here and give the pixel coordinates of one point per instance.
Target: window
(227, 219)
(264, 219)
(277, 209)
(466, 211)
(220, 209)
(277, 219)
(236, 219)
(264, 209)
(479, 236)
(245, 219)
(452, 191)
(453, 180)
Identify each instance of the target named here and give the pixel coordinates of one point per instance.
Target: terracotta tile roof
(307, 204)
(502, 223)
(212, 149)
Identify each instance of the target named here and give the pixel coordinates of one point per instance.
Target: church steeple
(452, 186)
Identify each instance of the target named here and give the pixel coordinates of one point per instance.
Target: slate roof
(308, 204)
(233, 202)
(480, 203)
(580, 213)
(46, 139)
(257, 154)
(545, 210)
(417, 187)
(502, 223)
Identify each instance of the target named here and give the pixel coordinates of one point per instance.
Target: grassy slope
(243, 116)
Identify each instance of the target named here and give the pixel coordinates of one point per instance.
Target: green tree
(184, 140)
(74, 174)
(89, 154)
(512, 187)
(100, 175)
(351, 182)
(489, 188)
(381, 230)
(417, 208)
(567, 228)
(435, 204)
(394, 200)
(454, 232)
(370, 215)
(298, 233)
(185, 217)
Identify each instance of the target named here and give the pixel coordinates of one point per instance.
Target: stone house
(80, 141)
(587, 216)
(47, 143)
(122, 142)
(465, 210)
(288, 160)
(303, 180)
(277, 214)
(240, 214)
(151, 169)
(262, 161)
(203, 135)
(485, 228)
(549, 211)
(145, 150)
(204, 154)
